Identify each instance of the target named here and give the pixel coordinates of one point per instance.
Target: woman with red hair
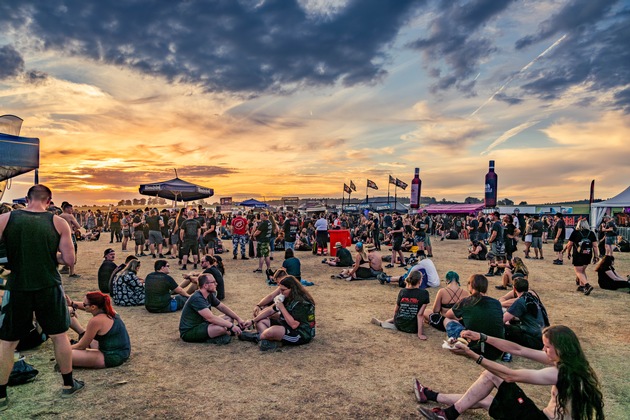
(105, 342)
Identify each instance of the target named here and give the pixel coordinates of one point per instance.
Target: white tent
(599, 209)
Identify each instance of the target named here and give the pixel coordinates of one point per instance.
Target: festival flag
(352, 186)
(401, 184)
(392, 180)
(592, 196)
(372, 184)
(347, 189)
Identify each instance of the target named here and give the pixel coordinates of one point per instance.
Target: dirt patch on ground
(352, 369)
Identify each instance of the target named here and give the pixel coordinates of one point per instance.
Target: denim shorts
(454, 329)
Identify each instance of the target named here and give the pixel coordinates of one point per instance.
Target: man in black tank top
(36, 242)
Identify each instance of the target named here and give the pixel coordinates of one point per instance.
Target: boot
(499, 271)
(490, 272)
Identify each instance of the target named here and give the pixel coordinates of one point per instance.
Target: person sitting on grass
(515, 268)
(607, 277)
(575, 389)
(105, 342)
(127, 287)
(159, 286)
(430, 277)
(445, 299)
(343, 258)
(526, 317)
(478, 251)
(410, 305)
(478, 312)
(199, 325)
(360, 267)
(296, 323)
(292, 264)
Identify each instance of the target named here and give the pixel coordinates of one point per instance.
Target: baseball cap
(338, 245)
(107, 251)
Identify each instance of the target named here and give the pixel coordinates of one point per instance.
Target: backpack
(22, 373)
(585, 246)
(534, 304)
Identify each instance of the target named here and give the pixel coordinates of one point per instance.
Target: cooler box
(339, 235)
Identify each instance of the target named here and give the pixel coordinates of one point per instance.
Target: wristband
(479, 360)
(482, 337)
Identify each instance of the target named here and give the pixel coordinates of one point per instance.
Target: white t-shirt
(433, 279)
(321, 224)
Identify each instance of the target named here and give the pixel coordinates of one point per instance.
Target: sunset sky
(264, 99)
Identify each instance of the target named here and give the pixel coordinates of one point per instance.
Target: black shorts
(512, 403)
(436, 320)
(557, 247)
(197, 334)
(291, 336)
(397, 244)
(50, 310)
(188, 246)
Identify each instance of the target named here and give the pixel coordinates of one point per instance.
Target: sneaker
(4, 403)
(220, 340)
(64, 270)
(244, 257)
(142, 254)
(76, 387)
(542, 258)
(138, 255)
(558, 262)
(588, 289)
(580, 289)
(500, 287)
(381, 278)
(183, 268)
(376, 322)
(266, 345)
(389, 265)
(154, 256)
(430, 256)
(249, 336)
(418, 389)
(402, 265)
(433, 413)
(161, 255)
(489, 274)
(271, 258)
(74, 276)
(234, 257)
(507, 357)
(258, 270)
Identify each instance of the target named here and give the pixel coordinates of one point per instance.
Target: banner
(347, 189)
(372, 184)
(226, 201)
(352, 186)
(392, 180)
(400, 184)
(291, 201)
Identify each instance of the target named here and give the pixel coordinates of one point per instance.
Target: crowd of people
(494, 329)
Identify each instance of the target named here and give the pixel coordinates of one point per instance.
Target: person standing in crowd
(239, 235)
(155, 223)
(537, 237)
(263, 234)
(496, 237)
(125, 224)
(397, 232)
(290, 228)
(106, 269)
(611, 234)
(68, 216)
(582, 246)
(115, 227)
(321, 231)
(558, 240)
(210, 236)
(138, 233)
(189, 235)
(35, 235)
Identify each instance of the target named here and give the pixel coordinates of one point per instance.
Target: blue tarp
(253, 203)
(176, 189)
(18, 155)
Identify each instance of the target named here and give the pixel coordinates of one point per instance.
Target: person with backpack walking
(581, 245)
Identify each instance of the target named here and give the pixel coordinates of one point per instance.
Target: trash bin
(339, 235)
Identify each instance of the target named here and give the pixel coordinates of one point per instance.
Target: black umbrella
(177, 190)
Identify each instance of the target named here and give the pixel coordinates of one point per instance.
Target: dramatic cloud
(11, 62)
(224, 45)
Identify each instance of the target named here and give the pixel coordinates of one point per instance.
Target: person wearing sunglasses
(158, 288)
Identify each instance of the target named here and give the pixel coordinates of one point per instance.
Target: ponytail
(102, 301)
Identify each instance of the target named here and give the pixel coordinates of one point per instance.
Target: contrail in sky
(509, 134)
(524, 69)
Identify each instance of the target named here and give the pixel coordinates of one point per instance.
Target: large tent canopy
(18, 155)
(599, 209)
(253, 203)
(453, 208)
(176, 189)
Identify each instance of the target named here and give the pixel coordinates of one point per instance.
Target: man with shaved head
(189, 235)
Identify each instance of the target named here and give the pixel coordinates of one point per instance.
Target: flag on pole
(372, 184)
(392, 180)
(592, 196)
(347, 189)
(401, 184)
(352, 186)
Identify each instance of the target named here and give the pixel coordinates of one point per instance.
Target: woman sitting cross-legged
(296, 322)
(105, 342)
(127, 287)
(445, 299)
(410, 305)
(515, 268)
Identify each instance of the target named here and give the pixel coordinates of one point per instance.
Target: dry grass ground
(351, 370)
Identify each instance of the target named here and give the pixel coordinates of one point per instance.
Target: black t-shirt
(474, 224)
(612, 233)
(498, 228)
(582, 258)
(190, 228)
(190, 314)
(345, 258)
(537, 229)
(561, 227)
(409, 303)
(485, 315)
(482, 225)
(153, 222)
(290, 228)
(265, 231)
(157, 292)
(398, 224)
(138, 219)
(210, 223)
(104, 273)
